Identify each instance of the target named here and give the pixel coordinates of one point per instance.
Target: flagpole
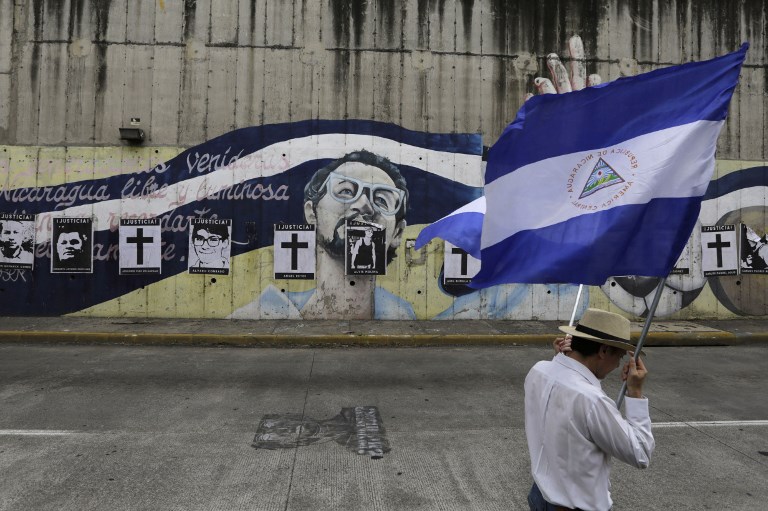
(643, 334)
(576, 305)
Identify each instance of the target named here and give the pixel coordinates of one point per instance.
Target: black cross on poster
(460, 267)
(719, 255)
(294, 251)
(140, 245)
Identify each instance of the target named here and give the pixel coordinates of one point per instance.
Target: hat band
(597, 333)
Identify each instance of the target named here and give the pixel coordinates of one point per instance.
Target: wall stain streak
(76, 9)
(466, 16)
(55, 10)
(101, 75)
(34, 71)
(385, 14)
(38, 14)
(423, 22)
(252, 15)
(348, 16)
(190, 12)
(100, 18)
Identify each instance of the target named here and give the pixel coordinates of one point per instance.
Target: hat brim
(609, 342)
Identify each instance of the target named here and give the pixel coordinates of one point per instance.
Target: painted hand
(562, 82)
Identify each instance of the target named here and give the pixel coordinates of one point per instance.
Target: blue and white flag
(607, 180)
(461, 228)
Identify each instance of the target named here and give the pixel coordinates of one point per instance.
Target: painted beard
(335, 246)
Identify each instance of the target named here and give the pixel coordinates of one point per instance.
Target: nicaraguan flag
(607, 180)
(461, 228)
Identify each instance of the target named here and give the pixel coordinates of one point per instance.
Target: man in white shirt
(573, 428)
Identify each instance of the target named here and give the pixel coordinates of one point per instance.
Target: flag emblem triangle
(602, 176)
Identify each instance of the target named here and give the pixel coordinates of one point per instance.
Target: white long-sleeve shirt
(574, 429)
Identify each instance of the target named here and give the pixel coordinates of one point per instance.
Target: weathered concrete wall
(73, 71)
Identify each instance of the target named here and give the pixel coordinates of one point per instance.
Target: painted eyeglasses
(385, 199)
(213, 241)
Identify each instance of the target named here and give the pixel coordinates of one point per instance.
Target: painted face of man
(11, 236)
(209, 246)
(69, 245)
(356, 191)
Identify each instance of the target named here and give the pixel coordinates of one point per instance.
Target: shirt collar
(577, 366)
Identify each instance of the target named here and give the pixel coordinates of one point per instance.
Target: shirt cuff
(636, 408)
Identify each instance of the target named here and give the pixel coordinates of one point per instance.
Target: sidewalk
(162, 331)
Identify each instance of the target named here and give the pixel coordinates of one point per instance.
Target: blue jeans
(536, 500)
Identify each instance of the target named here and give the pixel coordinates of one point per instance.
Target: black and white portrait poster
(209, 244)
(365, 248)
(17, 241)
(719, 250)
(140, 248)
(294, 251)
(754, 250)
(72, 245)
(459, 266)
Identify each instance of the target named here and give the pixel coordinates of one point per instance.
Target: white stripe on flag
(675, 162)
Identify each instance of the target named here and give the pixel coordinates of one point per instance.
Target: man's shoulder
(558, 373)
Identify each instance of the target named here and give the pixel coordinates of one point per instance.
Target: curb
(659, 339)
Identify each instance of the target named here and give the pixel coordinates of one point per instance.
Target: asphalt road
(118, 427)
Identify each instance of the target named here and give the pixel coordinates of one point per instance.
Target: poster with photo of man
(72, 245)
(754, 250)
(366, 250)
(294, 251)
(209, 246)
(17, 241)
(140, 246)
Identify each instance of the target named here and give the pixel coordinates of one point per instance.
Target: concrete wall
(73, 71)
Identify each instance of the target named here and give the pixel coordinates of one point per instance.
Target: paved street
(158, 427)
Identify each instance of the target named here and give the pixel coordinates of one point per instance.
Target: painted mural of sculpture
(360, 186)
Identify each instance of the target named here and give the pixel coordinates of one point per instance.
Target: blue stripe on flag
(553, 124)
(620, 246)
(462, 229)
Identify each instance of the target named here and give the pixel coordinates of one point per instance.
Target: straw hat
(603, 327)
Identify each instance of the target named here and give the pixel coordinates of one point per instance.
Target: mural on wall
(217, 205)
(323, 176)
(736, 196)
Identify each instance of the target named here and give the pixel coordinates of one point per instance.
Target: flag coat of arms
(604, 181)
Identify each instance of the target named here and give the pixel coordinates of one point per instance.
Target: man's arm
(629, 440)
